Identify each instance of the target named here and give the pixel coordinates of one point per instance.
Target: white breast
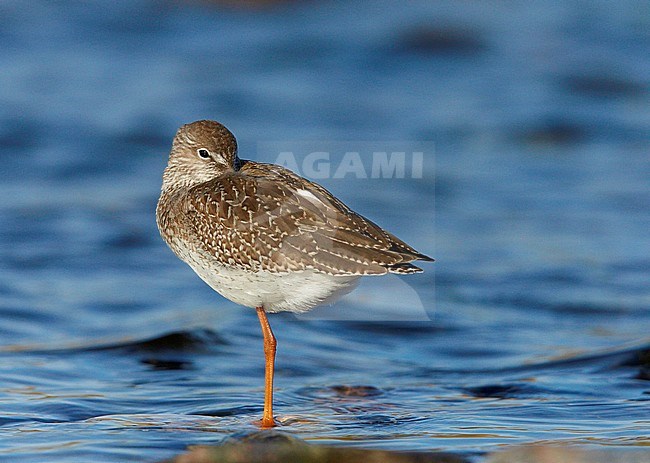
(297, 291)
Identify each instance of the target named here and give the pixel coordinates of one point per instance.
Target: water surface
(531, 327)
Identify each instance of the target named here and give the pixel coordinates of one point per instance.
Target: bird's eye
(203, 153)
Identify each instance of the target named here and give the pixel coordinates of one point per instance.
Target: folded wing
(265, 217)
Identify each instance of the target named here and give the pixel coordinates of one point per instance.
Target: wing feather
(265, 217)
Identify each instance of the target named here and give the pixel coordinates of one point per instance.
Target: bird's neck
(178, 178)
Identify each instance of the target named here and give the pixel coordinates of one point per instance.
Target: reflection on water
(530, 327)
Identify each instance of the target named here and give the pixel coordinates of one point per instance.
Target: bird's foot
(266, 423)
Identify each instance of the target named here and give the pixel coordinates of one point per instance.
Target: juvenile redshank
(264, 237)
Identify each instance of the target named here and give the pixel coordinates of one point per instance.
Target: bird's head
(201, 151)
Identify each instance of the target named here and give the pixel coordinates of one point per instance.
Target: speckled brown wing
(265, 217)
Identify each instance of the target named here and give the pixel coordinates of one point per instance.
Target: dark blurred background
(535, 203)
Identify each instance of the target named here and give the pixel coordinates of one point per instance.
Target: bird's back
(265, 217)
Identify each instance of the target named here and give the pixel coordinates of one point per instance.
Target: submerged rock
(552, 454)
(278, 447)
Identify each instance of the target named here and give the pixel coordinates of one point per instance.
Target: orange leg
(269, 355)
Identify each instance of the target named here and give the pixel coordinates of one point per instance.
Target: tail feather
(404, 268)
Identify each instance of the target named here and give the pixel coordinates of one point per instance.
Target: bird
(264, 237)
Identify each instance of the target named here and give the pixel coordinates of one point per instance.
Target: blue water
(531, 326)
